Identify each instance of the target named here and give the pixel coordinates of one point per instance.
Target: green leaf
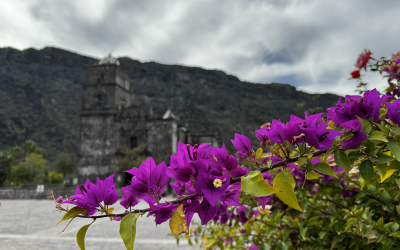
(366, 170)
(324, 169)
(393, 227)
(382, 158)
(377, 136)
(301, 161)
(395, 165)
(342, 160)
(255, 184)
(396, 130)
(397, 181)
(395, 148)
(284, 181)
(309, 166)
(382, 168)
(365, 126)
(282, 246)
(355, 155)
(383, 129)
(311, 175)
(259, 153)
(127, 230)
(336, 239)
(303, 231)
(369, 146)
(379, 223)
(73, 212)
(327, 154)
(80, 236)
(347, 137)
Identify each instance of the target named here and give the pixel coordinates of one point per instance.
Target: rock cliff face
(41, 96)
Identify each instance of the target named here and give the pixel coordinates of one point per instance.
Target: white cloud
(310, 44)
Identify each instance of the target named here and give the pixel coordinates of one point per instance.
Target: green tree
(15, 156)
(65, 165)
(32, 170)
(55, 177)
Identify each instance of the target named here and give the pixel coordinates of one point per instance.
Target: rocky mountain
(41, 91)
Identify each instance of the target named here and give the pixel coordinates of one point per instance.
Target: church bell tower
(105, 94)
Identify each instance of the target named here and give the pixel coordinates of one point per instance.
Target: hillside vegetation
(41, 91)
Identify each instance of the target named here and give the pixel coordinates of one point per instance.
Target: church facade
(110, 122)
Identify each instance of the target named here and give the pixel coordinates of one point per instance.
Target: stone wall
(99, 143)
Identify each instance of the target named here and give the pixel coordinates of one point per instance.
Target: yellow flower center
(217, 183)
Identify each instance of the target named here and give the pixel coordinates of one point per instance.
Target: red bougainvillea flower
(355, 74)
(363, 60)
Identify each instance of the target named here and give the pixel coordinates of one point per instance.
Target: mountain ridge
(41, 92)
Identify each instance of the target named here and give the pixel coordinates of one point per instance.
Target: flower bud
(59, 199)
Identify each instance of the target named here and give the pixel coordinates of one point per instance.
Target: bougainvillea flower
(263, 200)
(262, 134)
(213, 187)
(110, 195)
(192, 153)
(179, 172)
(363, 59)
(239, 171)
(393, 111)
(153, 175)
(242, 214)
(253, 247)
(149, 182)
(231, 197)
(278, 133)
(293, 132)
(354, 126)
(163, 211)
(221, 154)
(222, 214)
(373, 100)
(94, 196)
(183, 188)
(241, 156)
(138, 187)
(242, 143)
(231, 163)
(188, 208)
(366, 106)
(80, 201)
(320, 137)
(355, 74)
(128, 199)
(206, 211)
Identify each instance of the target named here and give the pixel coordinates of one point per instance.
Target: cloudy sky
(311, 44)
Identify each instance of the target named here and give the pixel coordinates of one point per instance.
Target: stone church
(110, 122)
